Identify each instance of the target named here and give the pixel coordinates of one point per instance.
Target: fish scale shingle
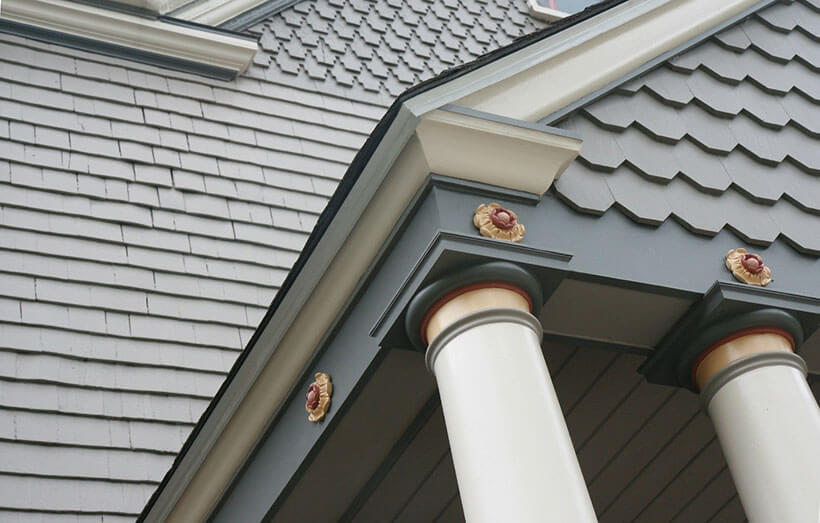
(721, 135)
(368, 55)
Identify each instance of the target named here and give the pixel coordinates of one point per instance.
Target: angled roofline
(373, 161)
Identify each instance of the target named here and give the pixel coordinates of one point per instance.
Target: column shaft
(768, 423)
(512, 452)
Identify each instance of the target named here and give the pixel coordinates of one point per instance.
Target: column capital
(483, 286)
(706, 347)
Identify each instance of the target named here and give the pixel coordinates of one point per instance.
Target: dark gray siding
(723, 135)
(147, 218)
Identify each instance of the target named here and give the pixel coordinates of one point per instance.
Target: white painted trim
(478, 149)
(385, 186)
(216, 12)
(544, 13)
(604, 48)
(155, 6)
(163, 38)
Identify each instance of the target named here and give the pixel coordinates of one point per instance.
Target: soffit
(722, 135)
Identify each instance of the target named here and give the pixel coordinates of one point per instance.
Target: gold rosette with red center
(317, 400)
(748, 267)
(497, 222)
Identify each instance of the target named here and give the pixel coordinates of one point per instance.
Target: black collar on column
(504, 272)
(726, 309)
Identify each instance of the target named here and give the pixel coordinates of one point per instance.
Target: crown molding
(171, 43)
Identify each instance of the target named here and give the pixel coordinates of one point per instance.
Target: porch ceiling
(648, 452)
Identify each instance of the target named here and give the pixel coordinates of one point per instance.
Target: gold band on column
(469, 299)
(739, 345)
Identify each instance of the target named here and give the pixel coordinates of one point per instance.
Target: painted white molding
(215, 12)
(551, 73)
(155, 6)
(171, 40)
(544, 13)
(486, 151)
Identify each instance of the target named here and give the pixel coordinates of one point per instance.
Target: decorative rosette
(317, 400)
(748, 267)
(497, 222)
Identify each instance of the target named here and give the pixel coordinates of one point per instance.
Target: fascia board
(541, 78)
(134, 32)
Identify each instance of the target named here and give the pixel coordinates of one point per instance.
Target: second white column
(513, 456)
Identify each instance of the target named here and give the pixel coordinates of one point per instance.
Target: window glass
(567, 6)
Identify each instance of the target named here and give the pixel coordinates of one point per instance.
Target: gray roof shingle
(722, 135)
(376, 49)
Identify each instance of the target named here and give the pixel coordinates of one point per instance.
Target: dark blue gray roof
(376, 49)
(723, 135)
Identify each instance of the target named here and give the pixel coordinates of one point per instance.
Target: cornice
(171, 43)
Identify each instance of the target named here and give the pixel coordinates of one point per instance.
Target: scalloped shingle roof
(376, 49)
(723, 135)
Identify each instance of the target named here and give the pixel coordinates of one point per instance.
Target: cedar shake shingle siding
(147, 218)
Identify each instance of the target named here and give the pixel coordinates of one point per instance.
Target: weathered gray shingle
(147, 218)
(722, 135)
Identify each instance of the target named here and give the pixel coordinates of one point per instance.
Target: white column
(512, 453)
(768, 423)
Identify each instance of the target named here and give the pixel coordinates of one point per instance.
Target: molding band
(736, 336)
(749, 363)
(444, 300)
(771, 319)
(476, 319)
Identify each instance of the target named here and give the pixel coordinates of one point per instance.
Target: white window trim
(544, 13)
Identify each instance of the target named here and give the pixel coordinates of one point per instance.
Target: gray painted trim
(256, 14)
(540, 127)
(209, 28)
(651, 64)
(591, 343)
(477, 319)
(116, 51)
(483, 189)
(742, 366)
